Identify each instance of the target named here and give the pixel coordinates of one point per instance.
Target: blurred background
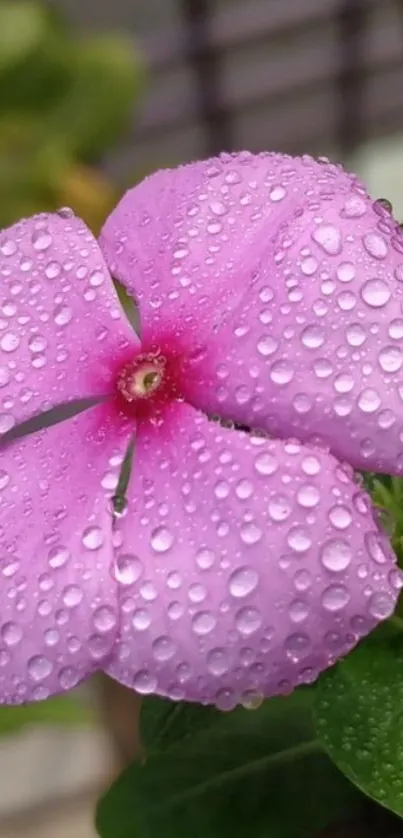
(94, 94)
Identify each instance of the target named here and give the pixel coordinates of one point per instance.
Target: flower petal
(247, 565)
(59, 317)
(57, 598)
(293, 279)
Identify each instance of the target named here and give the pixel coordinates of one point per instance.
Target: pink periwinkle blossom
(246, 557)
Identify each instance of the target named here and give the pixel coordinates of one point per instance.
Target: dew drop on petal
(375, 293)
(266, 464)
(203, 623)
(248, 620)
(335, 597)
(93, 538)
(127, 569)
(217, 662)
(39, 668)
(205, 558)
(381, 605)
(162, 539)
(336, 555)
(243, 581)
(329, 239)
(340, 517)
(144, 682)
(250, 533)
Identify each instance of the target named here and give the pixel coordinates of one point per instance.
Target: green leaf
(23, 25)
(359, 718)
(211, 775)
(64, 710)
(98, 104)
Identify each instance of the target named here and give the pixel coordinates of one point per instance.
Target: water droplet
(93, 538)
(226, 700)
(279, 508)
(313, 336)
(4, 376)
(281, 372)
(375, 546)
(381, 606)
(277, 193)
(354, 207)
(250, 533)
(39, 668)
(310, 465)
(218, 208)
(8, 247)
(127, 569)
(197, 593)
(11, 634)
(340, 517)
(58, 556)
(309, 266)
(355, 334)
(6, 422)
(390, 358)
(96, 278)
(297, 646)
(217, 662)
(203, 623)
(41, 239)
(243, 581)
(53, 270)
(267, 346)
(299, 539)
(9, 342)
(328, 238)
(266, 463)
(62, 315)
(243, 489)
(144, 682)
(395, 329)
(375, 293)
(141, 620)
(345, 272)
(335, 598)
(336, 555)
(161, 539)
(375, 245)
(205, 558)
(68, 678)
(4, 479)
(308, 496)
(104, 619)
(369, 400)
(37, 343)
(298, 611)
(163, 648)
(248, 620)
(72, 596)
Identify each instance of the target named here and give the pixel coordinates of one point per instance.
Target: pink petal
(247, 565)
(59, 317)
(288, 280)
(57, 597)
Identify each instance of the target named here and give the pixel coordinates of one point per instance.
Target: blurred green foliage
(64, 100)
(68, 710)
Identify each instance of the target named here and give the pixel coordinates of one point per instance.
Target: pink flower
(270, 293)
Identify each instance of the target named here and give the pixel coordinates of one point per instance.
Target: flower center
(142, 377)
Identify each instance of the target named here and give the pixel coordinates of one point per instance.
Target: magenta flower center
(148, 382)
(141, 378)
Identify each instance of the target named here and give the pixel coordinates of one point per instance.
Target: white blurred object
(380, 165)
